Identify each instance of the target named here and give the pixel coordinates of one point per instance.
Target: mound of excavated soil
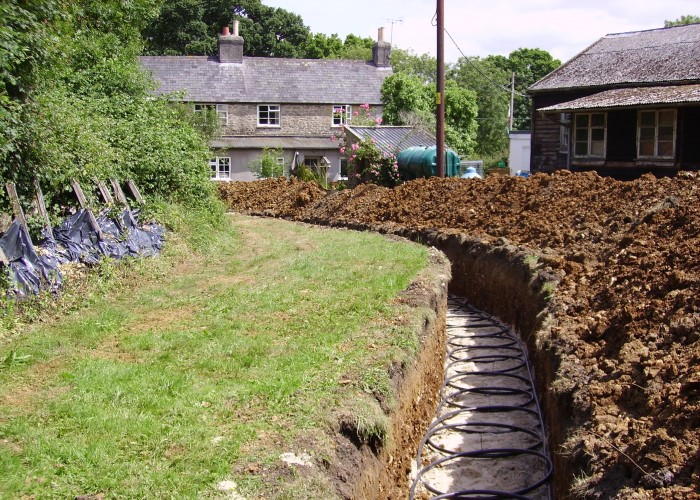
(627, 308)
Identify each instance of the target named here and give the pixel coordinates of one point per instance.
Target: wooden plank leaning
(121, 198)
(16, 205)
(106, 195)
(41, 204)
(134, 190)
(84, 205)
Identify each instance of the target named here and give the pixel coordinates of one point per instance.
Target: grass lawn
(194, 369)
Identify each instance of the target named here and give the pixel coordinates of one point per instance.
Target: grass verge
(202, 367)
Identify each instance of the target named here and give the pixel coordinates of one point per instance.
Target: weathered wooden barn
(626, 105)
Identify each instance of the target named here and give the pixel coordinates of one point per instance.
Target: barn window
(656, 134)
(589, 135)
(564, 132)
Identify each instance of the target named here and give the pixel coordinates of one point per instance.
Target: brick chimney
(381, 51)
(230, 45)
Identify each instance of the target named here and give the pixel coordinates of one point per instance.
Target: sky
(488, 27)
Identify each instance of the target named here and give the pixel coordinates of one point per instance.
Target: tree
(409, 101)
(423, 66)
(266, 166)
(460, 118)
(320, 46)
(486, 79)
(192, 27)
(529, 65)
(403, 94)
(682, 21)
(84, 109)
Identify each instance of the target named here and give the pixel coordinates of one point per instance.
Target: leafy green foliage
(86, 111)
(404, 93)
(368, 164)
(529, 65)
(409, 101)
(266, 165)
(460, 118)
(682, 21)
(482, 76)
(406, 61)
(192, 27)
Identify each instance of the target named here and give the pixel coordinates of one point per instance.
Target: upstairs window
(342, 114)
(656, 134)
(221, 111)
(268, 115)
(589, 135)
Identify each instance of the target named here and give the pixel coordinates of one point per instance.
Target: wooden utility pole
(512, 100)
(440, 96)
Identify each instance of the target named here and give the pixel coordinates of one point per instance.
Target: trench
(500, 278)
(487, 439)
(515, 285)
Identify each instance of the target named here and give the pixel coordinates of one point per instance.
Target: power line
(494, 83)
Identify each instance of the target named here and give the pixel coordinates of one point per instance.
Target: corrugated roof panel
(641, 57)
(632, 97)
(394, 138)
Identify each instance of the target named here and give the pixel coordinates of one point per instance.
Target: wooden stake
(122, 199)
(135, 191)
(42, 208)
(16, 205)
(84, 204)
(119, 193)
(106, 196)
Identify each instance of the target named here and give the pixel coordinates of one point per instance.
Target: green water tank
(421, 161)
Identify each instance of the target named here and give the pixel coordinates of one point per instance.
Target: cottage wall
(297, 120)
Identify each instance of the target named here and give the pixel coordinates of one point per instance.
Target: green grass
(202, 367)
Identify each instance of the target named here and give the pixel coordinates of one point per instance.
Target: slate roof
(666, 55)
(269, 80)
(632, 97)
(392, 138)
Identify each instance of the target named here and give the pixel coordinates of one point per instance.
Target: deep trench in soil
(488, 438)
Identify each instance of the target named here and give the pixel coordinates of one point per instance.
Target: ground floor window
(220, 168)
(589, 135)
(657, 134)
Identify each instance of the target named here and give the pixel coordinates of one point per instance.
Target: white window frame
(220, 168)
(656, 113)
(565, 132)
(341, 114)
(222, 113)
(589, 135)
(274, 114)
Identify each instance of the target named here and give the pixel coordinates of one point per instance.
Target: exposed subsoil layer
(626, 310)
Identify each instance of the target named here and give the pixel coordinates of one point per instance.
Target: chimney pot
(230, 45)
(380, 34)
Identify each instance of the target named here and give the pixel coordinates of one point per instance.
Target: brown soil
(626, 310)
